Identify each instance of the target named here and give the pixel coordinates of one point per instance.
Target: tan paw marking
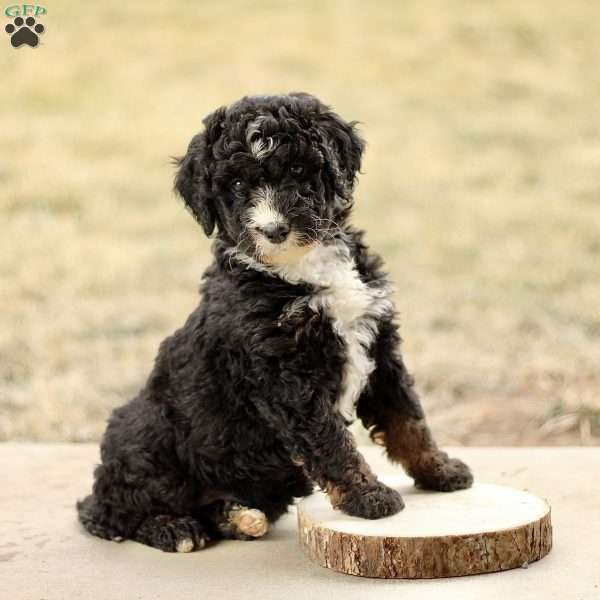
(379, 438)
(185, 545)
(298, 461)
(251, 521)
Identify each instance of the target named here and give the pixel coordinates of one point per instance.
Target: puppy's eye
(296, 170)
(237, 184)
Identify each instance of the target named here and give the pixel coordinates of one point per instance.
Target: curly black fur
(240, 407)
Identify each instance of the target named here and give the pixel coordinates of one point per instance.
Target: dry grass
(480, 187)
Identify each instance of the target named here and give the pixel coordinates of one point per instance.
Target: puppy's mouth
(278, 253)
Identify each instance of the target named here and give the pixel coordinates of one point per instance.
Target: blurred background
(480, 187)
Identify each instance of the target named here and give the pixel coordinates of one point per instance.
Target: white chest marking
(353, 307)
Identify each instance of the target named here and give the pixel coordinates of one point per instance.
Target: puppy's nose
(275, 232)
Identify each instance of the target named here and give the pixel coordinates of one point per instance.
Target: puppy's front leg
(317, 439)
(391, 409)
(349, 481)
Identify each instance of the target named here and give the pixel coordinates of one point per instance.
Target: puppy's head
(273, 174)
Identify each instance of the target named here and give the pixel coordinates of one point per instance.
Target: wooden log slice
(484, 529)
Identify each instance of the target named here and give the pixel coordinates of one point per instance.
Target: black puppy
(247, 405)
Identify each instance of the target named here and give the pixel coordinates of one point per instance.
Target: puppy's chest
(354, 309)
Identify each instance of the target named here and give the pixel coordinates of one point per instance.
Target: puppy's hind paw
(184, 545)
(173, 534)
(248, 523)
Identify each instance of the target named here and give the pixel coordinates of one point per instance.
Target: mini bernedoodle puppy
(247, 405)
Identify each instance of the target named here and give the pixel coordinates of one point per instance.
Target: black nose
(275, 232)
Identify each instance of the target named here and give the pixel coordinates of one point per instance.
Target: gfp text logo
(24, 28)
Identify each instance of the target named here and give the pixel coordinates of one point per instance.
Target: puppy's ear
(343, 149)
(193, 181)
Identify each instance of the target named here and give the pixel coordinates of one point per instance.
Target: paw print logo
(24, 31)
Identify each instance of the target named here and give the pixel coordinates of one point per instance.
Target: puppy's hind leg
(165, 532)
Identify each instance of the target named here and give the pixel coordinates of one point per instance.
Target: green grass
(480, 188)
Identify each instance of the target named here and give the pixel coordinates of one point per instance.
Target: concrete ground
(44, 554)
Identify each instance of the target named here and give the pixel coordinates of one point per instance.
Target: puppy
(248, 403)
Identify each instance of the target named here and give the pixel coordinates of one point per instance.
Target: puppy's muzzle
(275, 232)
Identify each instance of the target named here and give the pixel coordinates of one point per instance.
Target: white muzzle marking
(263, 212)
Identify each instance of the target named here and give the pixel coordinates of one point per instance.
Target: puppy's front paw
(443, 474)
(373, 501)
